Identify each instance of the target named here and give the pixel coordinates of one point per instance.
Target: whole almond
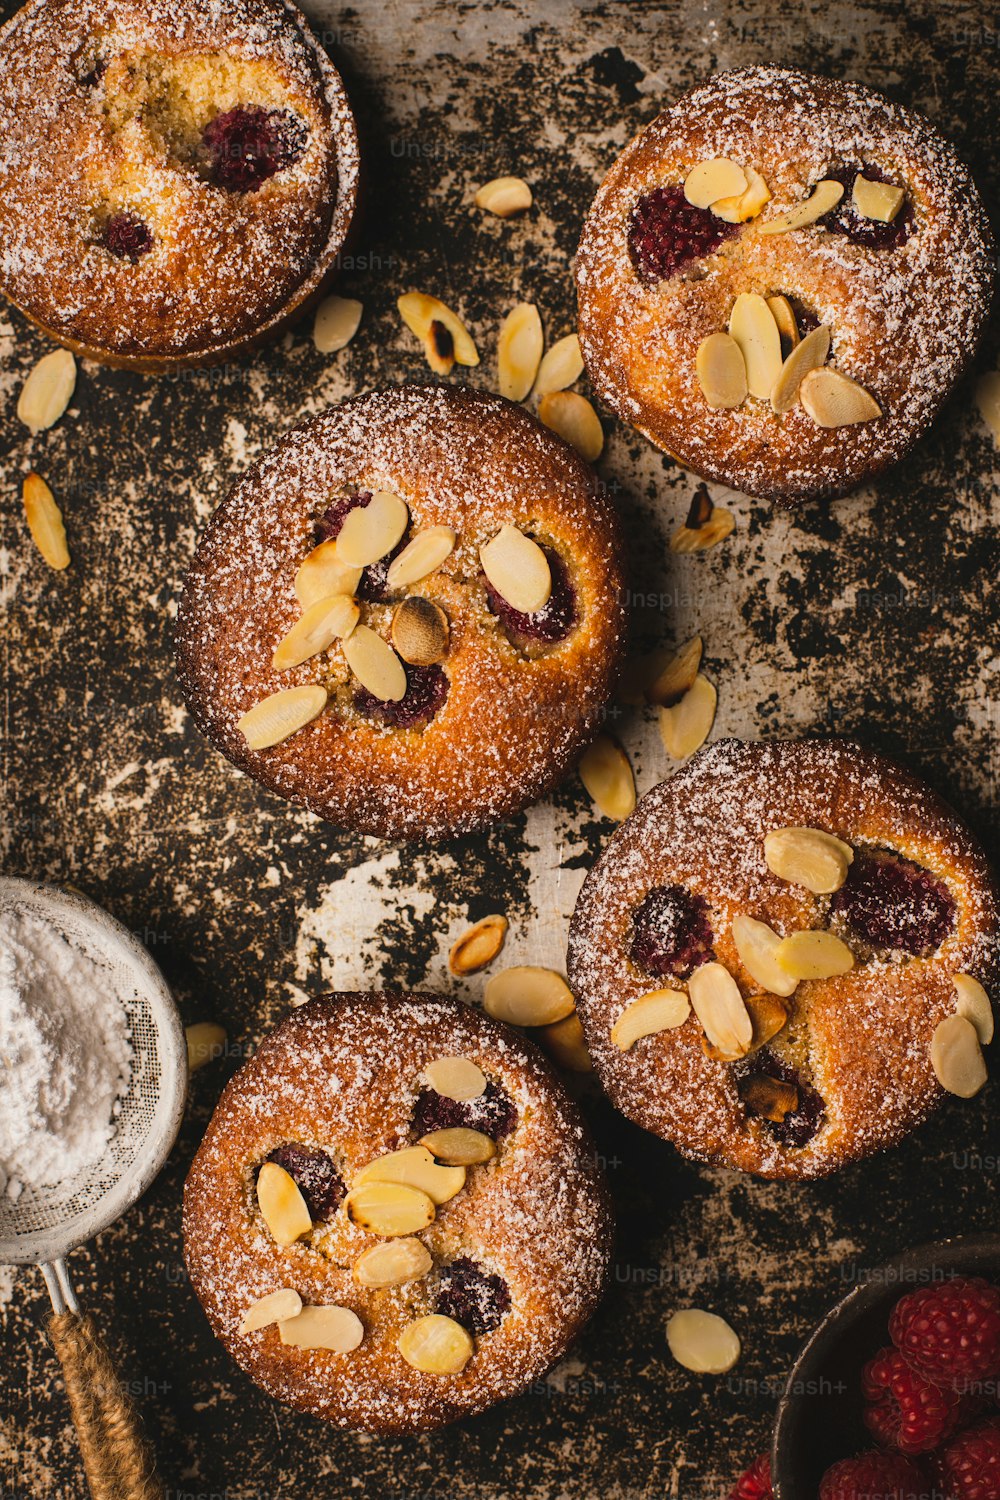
(420, 631)
(519, 351)
(528, 996)
(518, 569)
(45, 521)
(685, 726)
(337, 321)
(375, 664)
(717, 1002)
(561, 366)
(656, 1011)
(47, 391)
(281, 715)
(573, 418)
(607, 775)
(478, 945)
(504, 196)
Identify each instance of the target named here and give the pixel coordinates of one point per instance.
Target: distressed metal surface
(876, 615)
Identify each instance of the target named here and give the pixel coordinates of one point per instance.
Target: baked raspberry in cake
(176, 180)
(780, 280)
(778, 951)
(432, 1252)
(473, 616)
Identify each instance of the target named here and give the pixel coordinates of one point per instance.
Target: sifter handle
(117, 1459)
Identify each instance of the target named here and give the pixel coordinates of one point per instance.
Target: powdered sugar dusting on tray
(904, 322)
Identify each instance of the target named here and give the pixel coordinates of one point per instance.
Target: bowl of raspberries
(897, 1394)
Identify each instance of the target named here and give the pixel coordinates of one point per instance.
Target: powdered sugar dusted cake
(766, 953)
(408, 616)
(420, 1282)
(176, 180)
(766, 211)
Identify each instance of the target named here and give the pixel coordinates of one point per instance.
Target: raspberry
(755, 1484)
(671, 932)
(493, 1113)
(801, 1124)
(894, 904)
(473, 1297)
(248, 144)
(873, 1476)
(845, 219)
(316, 1177)
(666, 233)
(127, 237)
(554, 621)
(970, 1465)
(907, 1411)
(951, 1332)
(426, 691)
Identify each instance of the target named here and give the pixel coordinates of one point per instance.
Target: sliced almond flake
(414, 1167)
(757, 945)
(458, 1146)
(716, 1000)
(282, 714)
(323, 573)
(702, 1342)
(877, 200)
(809, 857)
(607, 775)
(393, 1263)
(656, 1011)
(419, 311)
(826, 195)
(834, 400)
(436, 1345)
(336, 1329)
(456, 1078)
(784, 316)
(566, 1044)
(504, 196)
(47, 391)
(720, 524)
(337, 321)
(573, 418)
(420, 631)
(711, 180)
(518, 569)
(974, 1005)
(371, 531)
(721, 371)
(478, 946)
(746, 205)
(752, 325)
(390, 1209)
(957, 1058)
(519, 351)
(274, 1308)
(528, 996)
(45, 521)
(422, 555)
(676, 675)
(375, 664)
(281, 1204)
(561, 366)
(324, 622)
(686, 726)
(809, 354)
(814, 954)
(205, 1042)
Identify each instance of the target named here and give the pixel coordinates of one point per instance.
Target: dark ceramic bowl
(819, 1415)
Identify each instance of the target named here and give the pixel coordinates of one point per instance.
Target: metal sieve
(43, 1225)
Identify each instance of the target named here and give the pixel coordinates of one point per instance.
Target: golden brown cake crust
(865, 1036)
(103, 105)
(512, 723)
(342, 1073)
(904, 322)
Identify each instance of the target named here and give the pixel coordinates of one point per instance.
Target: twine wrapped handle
(117, 1459)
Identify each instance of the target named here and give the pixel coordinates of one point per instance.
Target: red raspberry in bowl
(755, 1484)
(950, 1332)
(874, 1476)
(969, 1467)
(666, 233)
(906, 1410)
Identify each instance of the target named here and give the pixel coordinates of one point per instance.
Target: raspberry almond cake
(781, 279)
(409, 615)
(176, 180)
(785, 955)
(396, 1217)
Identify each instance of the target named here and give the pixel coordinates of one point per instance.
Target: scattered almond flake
(814, 954)
(458, 1146)
(419, 312)
(456, 1078)
(375, 664)
(721, 371)
(413, 1167)
(877, 200)
(957, 1058)
(808, 354)
(435, 1345)
(337, 1329)
(607, 775)
(323, 573)
(702, 1342)
(825, 195)
(720, 524)
(389, 1208)
(324, 622)
(504, 196)
(205, 1042)
(281, 1204)
(565, 1044)
(676, 675)
(519, 351)
(337, 321)
(752, 325)
(649, 1014)
(528, 996)
(988, 401)
(518, 569)
(47, 391)
(393, 1263)
(281, 714)
(834, 400)
(757, 945)
(974, 1005)
(808, 857)
(478, 945)
(561, 366)
(784, 316)
(45, 521)
(716, 1001)
(371, 531)
(420, 631)
(274, 1308)
(422, 555)
(711, 180)
(686, 725)
(746, 205)
(573, 418)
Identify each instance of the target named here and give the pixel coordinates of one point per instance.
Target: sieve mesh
(43, 1224)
